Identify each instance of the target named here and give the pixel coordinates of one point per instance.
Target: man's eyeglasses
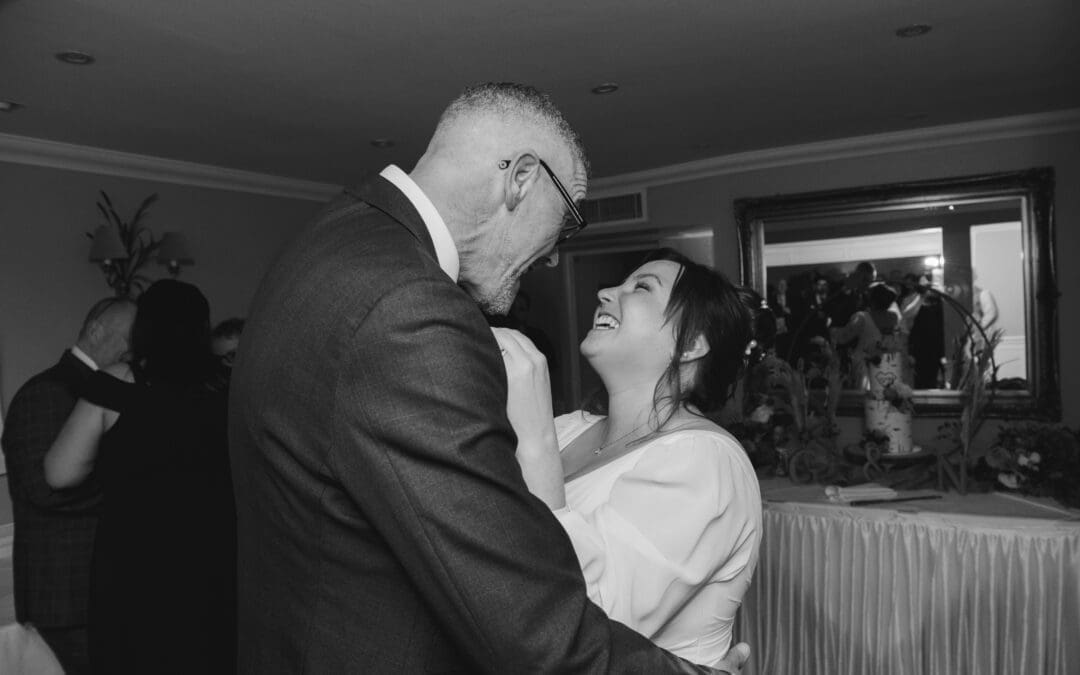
(578, 223)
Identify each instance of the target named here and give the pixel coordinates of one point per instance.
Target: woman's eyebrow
(638, 277)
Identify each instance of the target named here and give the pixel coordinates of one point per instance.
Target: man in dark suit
(383, 522)
(54, 529)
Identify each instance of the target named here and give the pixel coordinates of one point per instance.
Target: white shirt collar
(82, 356)
(445, 250)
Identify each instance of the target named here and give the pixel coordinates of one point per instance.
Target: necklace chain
(604, 446)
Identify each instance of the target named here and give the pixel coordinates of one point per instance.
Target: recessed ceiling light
(382, 142)
(914, 30)
(9, 106)
(605, 88)
(75, 58)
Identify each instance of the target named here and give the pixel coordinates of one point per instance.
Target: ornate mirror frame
(1035, 190)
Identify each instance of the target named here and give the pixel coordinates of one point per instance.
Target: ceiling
(299, 89)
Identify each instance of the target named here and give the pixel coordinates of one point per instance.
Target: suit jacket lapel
(383, 195)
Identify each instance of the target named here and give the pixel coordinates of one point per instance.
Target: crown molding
(1040, 124)
(88, 159)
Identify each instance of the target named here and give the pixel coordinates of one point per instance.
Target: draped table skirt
(865, 591)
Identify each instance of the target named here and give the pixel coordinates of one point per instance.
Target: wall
(47, 284)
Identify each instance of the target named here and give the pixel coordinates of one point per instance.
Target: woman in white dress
(881, 327)
(661, 504)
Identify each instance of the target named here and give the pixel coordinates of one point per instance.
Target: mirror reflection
(938, 270)
(857, 279)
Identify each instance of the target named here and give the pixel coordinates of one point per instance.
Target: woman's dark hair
(881, 296)
(170, 339)
(229, 328)
(702, 302)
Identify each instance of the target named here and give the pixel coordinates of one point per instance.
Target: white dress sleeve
(687, 513)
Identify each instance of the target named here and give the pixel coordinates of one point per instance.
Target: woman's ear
(698, 348)
(521, 174)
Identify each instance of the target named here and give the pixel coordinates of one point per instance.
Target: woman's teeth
(605, 322)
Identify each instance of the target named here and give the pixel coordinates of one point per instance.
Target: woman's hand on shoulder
(528, 407)
(528, 403)
(119, 370)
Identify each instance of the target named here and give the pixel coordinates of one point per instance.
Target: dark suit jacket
(383, 522)
(54, 529)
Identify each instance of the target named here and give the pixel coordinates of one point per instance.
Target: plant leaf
(141, 211)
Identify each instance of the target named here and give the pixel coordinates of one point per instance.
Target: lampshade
(174, 250)
(107, 245)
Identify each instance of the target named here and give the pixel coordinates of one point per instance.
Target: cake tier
(883, 417)
(888, 371)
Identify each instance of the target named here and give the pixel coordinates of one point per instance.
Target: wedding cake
(887, 406)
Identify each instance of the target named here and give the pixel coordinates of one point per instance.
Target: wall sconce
(106, 246)
(173, 252)
(107, 250)
(122, 248)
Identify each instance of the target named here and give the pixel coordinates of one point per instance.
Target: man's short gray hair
(511, 99)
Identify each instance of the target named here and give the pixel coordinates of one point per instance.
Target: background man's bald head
(106, 331)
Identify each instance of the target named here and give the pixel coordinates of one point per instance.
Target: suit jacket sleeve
(102, 389)
(426, 450)
(34, 420)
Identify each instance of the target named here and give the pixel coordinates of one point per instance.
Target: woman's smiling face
(631, 327)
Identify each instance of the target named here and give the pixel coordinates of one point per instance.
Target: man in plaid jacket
(54, 529)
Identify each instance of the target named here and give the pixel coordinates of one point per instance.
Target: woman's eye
(642, 285)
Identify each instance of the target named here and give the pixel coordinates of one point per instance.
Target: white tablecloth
(866, 591)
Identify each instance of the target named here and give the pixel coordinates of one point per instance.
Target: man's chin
(497, 304)
(503, 299)
(495, 308)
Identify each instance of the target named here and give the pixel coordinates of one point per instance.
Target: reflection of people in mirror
(869, 329)
(983, 307)
(781, 308)
(852, 297)
(926, 341)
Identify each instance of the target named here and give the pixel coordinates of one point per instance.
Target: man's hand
(736, 658)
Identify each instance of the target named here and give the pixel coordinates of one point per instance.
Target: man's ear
(521, 176)
(95, 332)
(698, 348)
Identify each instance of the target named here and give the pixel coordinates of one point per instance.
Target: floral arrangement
(790, 411)
(1034, 458)
(774, 400)
(975, 378)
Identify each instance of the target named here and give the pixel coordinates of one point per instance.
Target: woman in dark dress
(163, 578)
